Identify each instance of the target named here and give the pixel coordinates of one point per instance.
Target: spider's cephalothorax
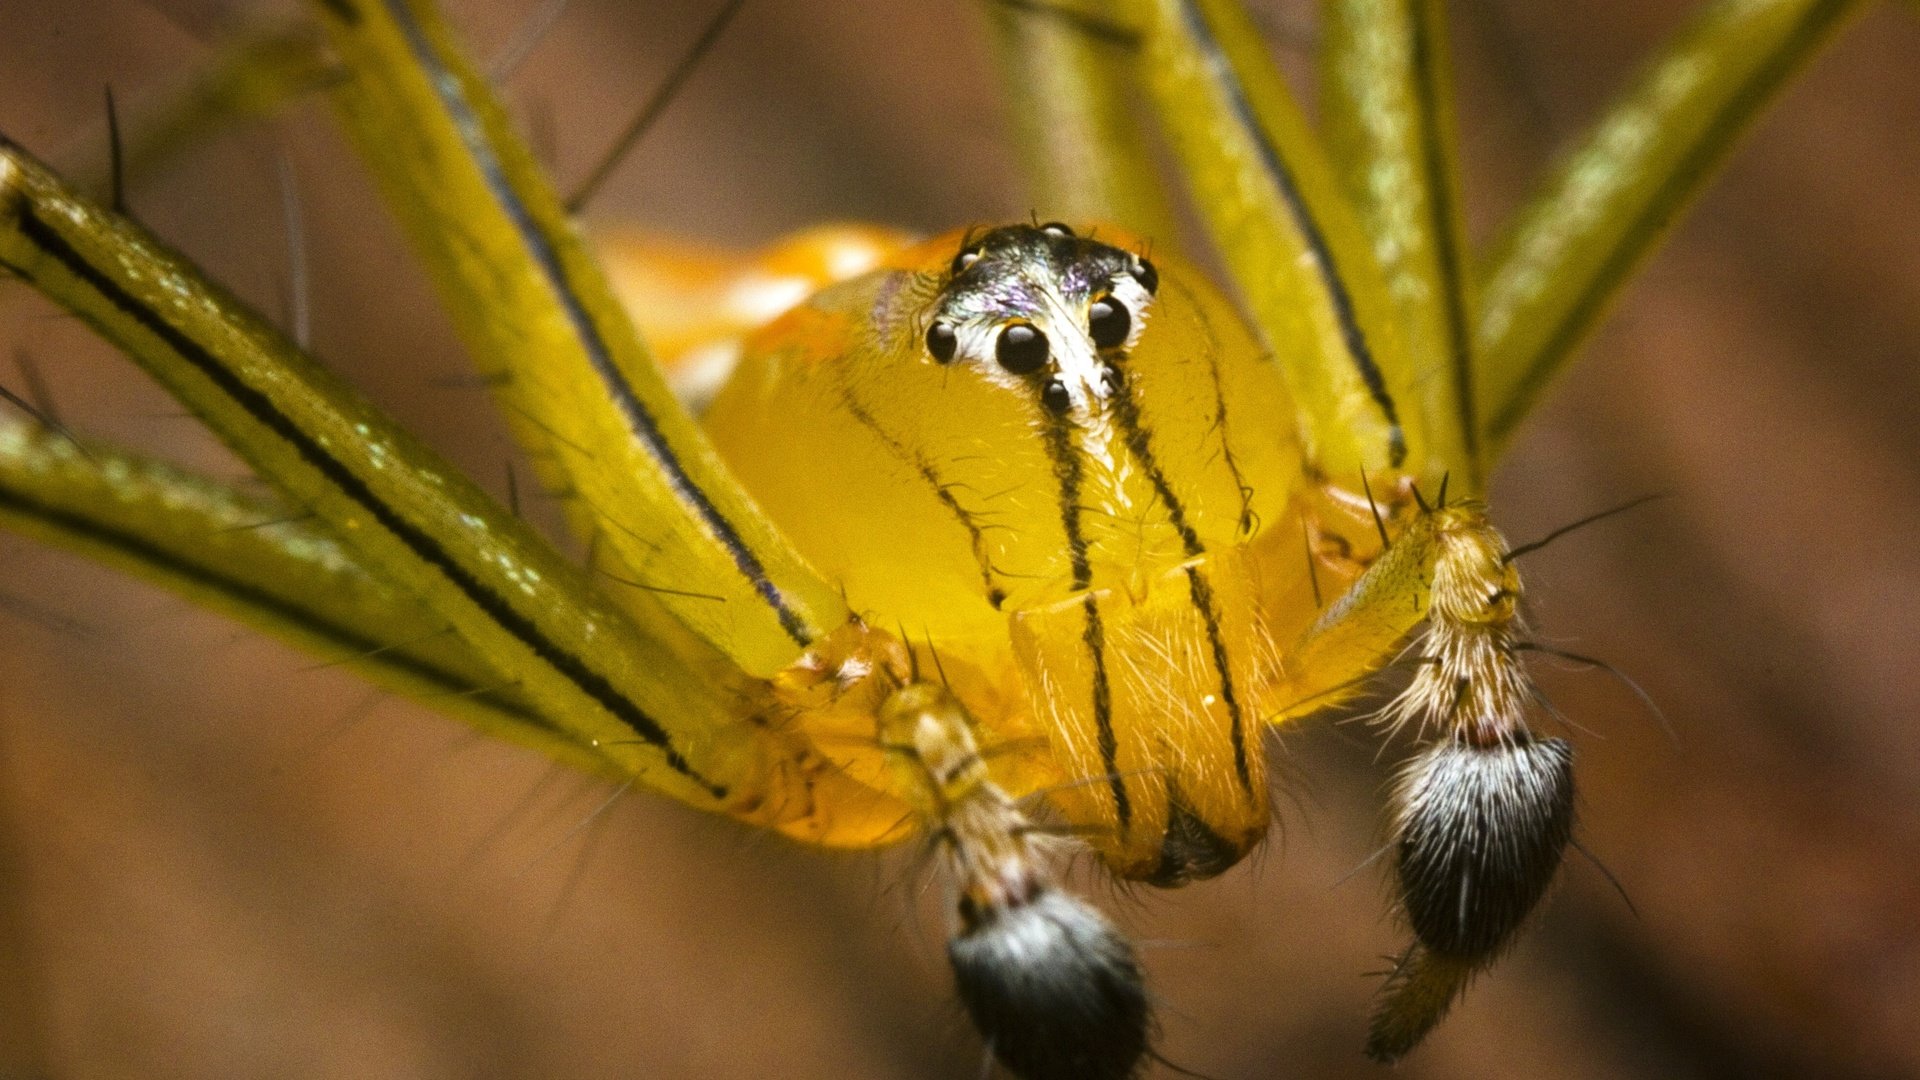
(1036, 448)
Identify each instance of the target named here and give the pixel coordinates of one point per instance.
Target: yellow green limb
(541, 321)
(1067, 78)
(245, 557)
(1298, 257)
(1386, 105)
(663, 717)
(1571, 247)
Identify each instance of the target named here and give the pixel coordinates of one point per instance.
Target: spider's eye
(965, 259)
(1021, 349)
(1109, 322)
(1055, 397)
(1055, 228)
(942, 342)
(1147, 276)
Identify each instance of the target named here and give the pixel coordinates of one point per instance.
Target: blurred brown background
(216, 861)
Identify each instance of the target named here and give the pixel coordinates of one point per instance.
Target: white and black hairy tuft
(1054, 988)
(1478, 835)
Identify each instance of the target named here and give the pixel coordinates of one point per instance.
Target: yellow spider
(1030, 500)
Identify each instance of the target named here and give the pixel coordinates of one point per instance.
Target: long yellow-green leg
(661, 715)
(541, 321)
(1068, 82)
(1386, 106)
(1571, 247)
(252, 559)
(1298, 257)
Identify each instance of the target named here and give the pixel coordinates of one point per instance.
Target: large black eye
(1021, 349)
(942, 342)
(1109, 322)
(1147, 276)
(963, 260)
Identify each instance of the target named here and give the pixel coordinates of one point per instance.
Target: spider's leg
(1052, 985)
(1387, 108)
(664, 710)
(1067, 75)
(255, 560)
(541, 321)
(1568, 251)
(1288, 236)
(1482, 812)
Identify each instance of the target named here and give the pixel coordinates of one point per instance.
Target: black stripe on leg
(639, 419)
(1440, 209)
(263, 411)
(241, 594)
(1678, 185)
(1351, 331)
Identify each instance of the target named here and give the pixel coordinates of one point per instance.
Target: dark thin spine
(655, 106)
(264, 412)
(116, 160)
(543, 253)
(1350, 331)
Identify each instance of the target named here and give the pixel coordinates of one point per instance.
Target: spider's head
(1043, 310)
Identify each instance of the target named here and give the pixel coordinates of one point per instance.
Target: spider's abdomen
(1046, 456)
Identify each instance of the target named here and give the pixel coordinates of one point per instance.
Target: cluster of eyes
(1021, 348)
